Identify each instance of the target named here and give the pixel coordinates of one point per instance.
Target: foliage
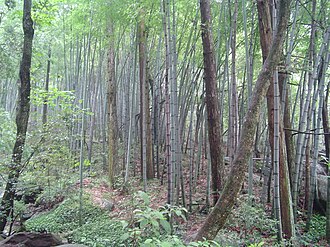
(7, 133)
(248, 224)
(7, 139)
(54, 159)
(148, 222)
(316, 231)
(98, 232)
(154, 228)
(65, 217)
(175, 241)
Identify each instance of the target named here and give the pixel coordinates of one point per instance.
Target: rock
(321, 169)
(107, 205)
(28, 194)
(322, 185)
(320, 203)
(31, 239)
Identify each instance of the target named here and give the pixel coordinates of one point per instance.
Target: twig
(306, 132)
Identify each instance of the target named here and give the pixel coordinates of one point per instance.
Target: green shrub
(316, 231)
(248, 225)
(100, 232)
(154, 228)
(64, 218)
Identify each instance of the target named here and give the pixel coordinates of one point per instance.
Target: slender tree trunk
(22, 116)
(142, 74)
(217, 218)
(284, 184)
(112, 110)
(45, 105)
(212, 101)
(168, 143)
(276, 156)
(233, 102)
(326, 129)
(149, 146)
(320, 70)
(301, 142)
(131, 117)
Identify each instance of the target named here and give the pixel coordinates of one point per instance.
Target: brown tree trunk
(142, 77)
(212, 102)
(112, 109)
(22, 116)
(217, 218)
(265, 41)
(289, 143)
(145, 127)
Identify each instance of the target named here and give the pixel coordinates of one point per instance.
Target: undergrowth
(97, 230)
(248, 225)
(316, 233)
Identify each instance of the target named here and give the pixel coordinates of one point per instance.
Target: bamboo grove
(178, 92)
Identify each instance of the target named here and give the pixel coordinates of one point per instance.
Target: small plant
(97, 230)
(204, 243)
(257, 244)
(316, 231)
(64, 218)
(150, 224)
(248, 225)
(100, 231)
(174, 213)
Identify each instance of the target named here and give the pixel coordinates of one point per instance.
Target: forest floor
(250, 222)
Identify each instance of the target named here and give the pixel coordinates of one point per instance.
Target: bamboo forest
(160, 123)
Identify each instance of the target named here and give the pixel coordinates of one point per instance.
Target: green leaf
(124, 224)
(155, 223)
(144, 197)
(166, 226)
(125, 236)
(148, 241)
(166, 244)
(143, 223)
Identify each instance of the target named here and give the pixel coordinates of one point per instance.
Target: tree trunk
(45, 105)
(22, 116)
(217, 218)
(149, 147)
(112, 109)
(142, 74)
(233, 109)
(326, 129)
(285, 197)
(212, 101)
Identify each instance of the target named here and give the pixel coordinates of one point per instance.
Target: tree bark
(22, 116)
(217, 218)
(212, 101)
(45, 105)
(142, 74)
(265, 40)
(149, 147)
(112, 109)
